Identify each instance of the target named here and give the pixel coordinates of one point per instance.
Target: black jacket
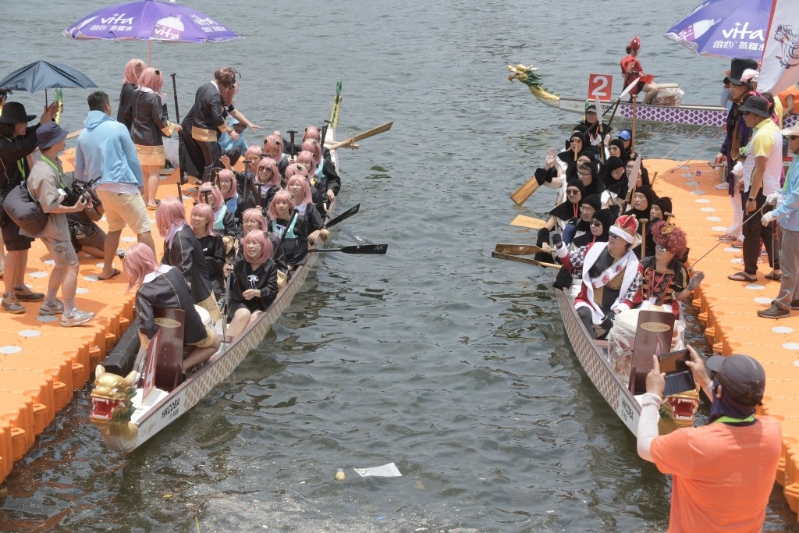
(263, 278)
(169, 291)
(186, 254)
(149, 119)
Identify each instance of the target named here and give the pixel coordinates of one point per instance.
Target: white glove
(772, 198)
(767, 219)
(738, 170)
(596, 141)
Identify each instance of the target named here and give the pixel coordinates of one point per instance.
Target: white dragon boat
(670, 112)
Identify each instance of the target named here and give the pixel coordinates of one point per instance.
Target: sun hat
(14, 113)
(50, 134)
(756, 105)
(741, 376)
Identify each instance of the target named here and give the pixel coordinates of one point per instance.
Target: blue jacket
(104, 149)
(787, 214)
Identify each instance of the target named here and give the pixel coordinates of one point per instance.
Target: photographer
(86, 235)
(717, 485)
(48, 186)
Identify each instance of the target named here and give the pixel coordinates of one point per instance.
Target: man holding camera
(48, 186)
(723, 472)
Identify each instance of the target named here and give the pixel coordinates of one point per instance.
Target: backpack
(26, 212)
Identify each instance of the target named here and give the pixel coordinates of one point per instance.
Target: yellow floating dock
(728, 309)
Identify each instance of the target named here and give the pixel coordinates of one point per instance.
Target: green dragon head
(527, 75)
(112, 397)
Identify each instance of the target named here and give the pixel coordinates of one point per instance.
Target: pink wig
(132, 71)
(139, 261)
(311, 132)
(306, 189)
(266, 247)
(280, 196)
(274, 140)
(294, 169)
(151, 78)
(226, 174)
(269, 163)
(253, 153)
(315, 148)
(306, 158)
(205, 211)
(169, 211)
(218, 199)
(255, 214)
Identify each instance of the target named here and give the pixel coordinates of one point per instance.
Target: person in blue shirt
(233, 149)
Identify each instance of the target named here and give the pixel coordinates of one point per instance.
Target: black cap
(737, 68)
(754, 104)
(742, 377)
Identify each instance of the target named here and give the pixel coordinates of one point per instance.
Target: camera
(76, 190)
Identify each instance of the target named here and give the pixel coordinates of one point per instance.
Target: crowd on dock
(619, 249)
(249, 229)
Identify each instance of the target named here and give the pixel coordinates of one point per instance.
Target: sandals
(773, 276)
(114, 274)
(743, 276)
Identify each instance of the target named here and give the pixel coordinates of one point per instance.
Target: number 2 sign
(600, 86)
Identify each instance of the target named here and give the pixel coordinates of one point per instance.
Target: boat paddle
(517, 249)
(346, 231)
(526, 260)
(624, 93)
(180, 139)
(365, 249)
(228, 281)
(528, 222)
(347, 143)
(343, 216)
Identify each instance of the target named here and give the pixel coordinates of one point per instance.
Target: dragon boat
(127, 419)
(670, 111)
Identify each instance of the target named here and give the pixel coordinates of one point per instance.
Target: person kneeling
(612, 276)
(164, 286)
(254, 285)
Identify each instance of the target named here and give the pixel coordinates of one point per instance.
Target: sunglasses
(660, 248)
(596, 224)
(613, 237)
(571, 192)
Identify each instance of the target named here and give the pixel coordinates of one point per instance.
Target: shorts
(209, 339)
(125, 209)
(93, 235)
(14, 242)
(62, 252)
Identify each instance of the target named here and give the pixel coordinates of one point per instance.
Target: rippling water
(435, 357)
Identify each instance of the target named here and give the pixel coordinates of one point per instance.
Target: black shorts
(13, 240)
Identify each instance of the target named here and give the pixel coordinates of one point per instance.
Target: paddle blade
(528, 222)
(517, 249)
(629, 88)
(634, 174)
(518, 259)
(525, 191)
(343, 216)
(366, 249)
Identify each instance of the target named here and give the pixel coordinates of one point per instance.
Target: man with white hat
(723, 472)
(787, 214)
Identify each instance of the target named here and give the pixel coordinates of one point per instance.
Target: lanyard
(731, 420)
(20, 165)
(57, 170)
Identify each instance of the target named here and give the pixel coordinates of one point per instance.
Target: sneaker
(26, 295)
(774, 312)
(52, 309)
(11, 305)
(75, 317)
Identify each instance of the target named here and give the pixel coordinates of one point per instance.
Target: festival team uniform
(263, 279)
(183, 251)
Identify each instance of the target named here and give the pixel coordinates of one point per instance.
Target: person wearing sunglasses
(558, 217)
(666, 281)
(612, 278)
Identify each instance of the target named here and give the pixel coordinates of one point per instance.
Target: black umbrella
(44, 75)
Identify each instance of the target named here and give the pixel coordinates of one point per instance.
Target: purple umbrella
(725, 28)
(149, 20)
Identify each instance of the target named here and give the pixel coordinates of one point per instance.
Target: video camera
(76, 190)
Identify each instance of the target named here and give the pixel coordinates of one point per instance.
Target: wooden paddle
(370, 249)
(368, 133)
(518, 259)
(525, 191)
(528, 222)
(73, 134)
(517, 249)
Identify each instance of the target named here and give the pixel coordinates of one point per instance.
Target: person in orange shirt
(631, 69)
(722, 473)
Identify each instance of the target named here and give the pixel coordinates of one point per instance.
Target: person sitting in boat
(323, 195)
(558, 217)
(183, 251)
(300, 192)
(577, 146)
(266, 184)
(233, 150)
(666, 281)
(224, 221)
(202, 224)
(643, 174)
(329, 176)
(233, 202)
(580, 226)
(642, 199)
(612, 276)
(661, 209)
(599, 231)
(631, 69)
(595, 131)
(163, 286)
(587, 174)
(290, 227)
(614, 181)
(254, 284)
(254, 219)
(273, 147)
(251, 158)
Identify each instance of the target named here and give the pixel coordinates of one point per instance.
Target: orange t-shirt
(783, 96)
(722, 475)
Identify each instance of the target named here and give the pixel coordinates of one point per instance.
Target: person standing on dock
(787, 214)
(761, 177)
(722, 473)
(737, 136)
(105, 150)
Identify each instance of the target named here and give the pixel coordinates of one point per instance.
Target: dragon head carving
(678, 411)
(112, 397)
